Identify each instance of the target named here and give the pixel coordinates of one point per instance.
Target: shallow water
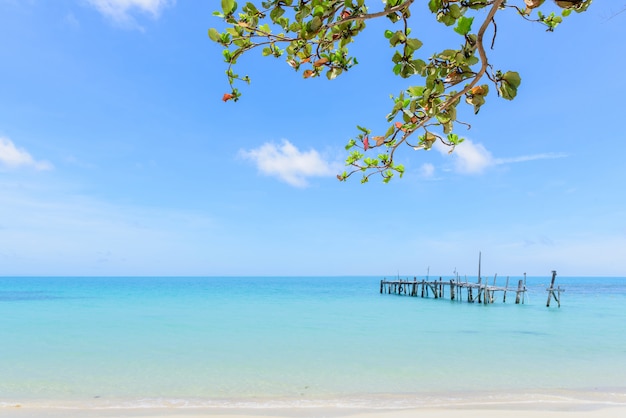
(183, 341)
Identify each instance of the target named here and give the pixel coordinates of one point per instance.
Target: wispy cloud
(121, 11)
(289, 164)
(13, 157)
(71, 21)
(471, 158)
(525, 158)
(427, 170)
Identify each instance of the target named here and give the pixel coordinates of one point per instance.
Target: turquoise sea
(136, 342)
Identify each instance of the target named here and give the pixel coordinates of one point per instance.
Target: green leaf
(333, 73)
(455, 11)
(478, 4)
(315, 24)
(414, 43)
(228, 6)
(416, 91)
(464, 25)
(418, 65)
(276, 13)
(446, 18)
(250, 8)
(397, 38)
(512, 78)
(434, 5)
(390, 131)
(214, 35)
(318, 11)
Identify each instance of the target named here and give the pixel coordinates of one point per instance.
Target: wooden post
(451, 289)
(524, 294)
(480, 289)
(506, 286)
(441, 293)
(381, 286)
(551, 290)
(486, 292)
(519, 290)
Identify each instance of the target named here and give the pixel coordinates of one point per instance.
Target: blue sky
(118, 156)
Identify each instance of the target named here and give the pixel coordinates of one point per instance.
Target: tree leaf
(434, 5)
(333, 73)
(228, 6)
(464, 25)
(513, 78)
(276, 13)
(214, 35)
(315, 24)
(414, 43)
(379, 140)
(416, 91)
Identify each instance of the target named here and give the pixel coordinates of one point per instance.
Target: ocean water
(138, 342)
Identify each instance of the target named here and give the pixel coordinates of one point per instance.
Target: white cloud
(471, 158)
(290, 164)
(13, 157)
(120, 11)
(427, 170)
(468, 158)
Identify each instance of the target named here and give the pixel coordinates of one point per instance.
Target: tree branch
(481, 53)
(368, 16)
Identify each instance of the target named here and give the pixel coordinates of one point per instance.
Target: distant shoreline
(513, 410)
(554, 404)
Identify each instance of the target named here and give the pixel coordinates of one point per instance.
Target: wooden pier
(480, 292)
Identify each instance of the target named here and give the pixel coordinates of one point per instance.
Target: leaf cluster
(313, 37)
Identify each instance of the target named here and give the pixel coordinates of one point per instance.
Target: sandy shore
(483, 411)
(540, 404)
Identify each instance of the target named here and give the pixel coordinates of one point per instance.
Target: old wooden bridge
(480, 292)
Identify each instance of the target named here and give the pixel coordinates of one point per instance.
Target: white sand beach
(483, 411)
